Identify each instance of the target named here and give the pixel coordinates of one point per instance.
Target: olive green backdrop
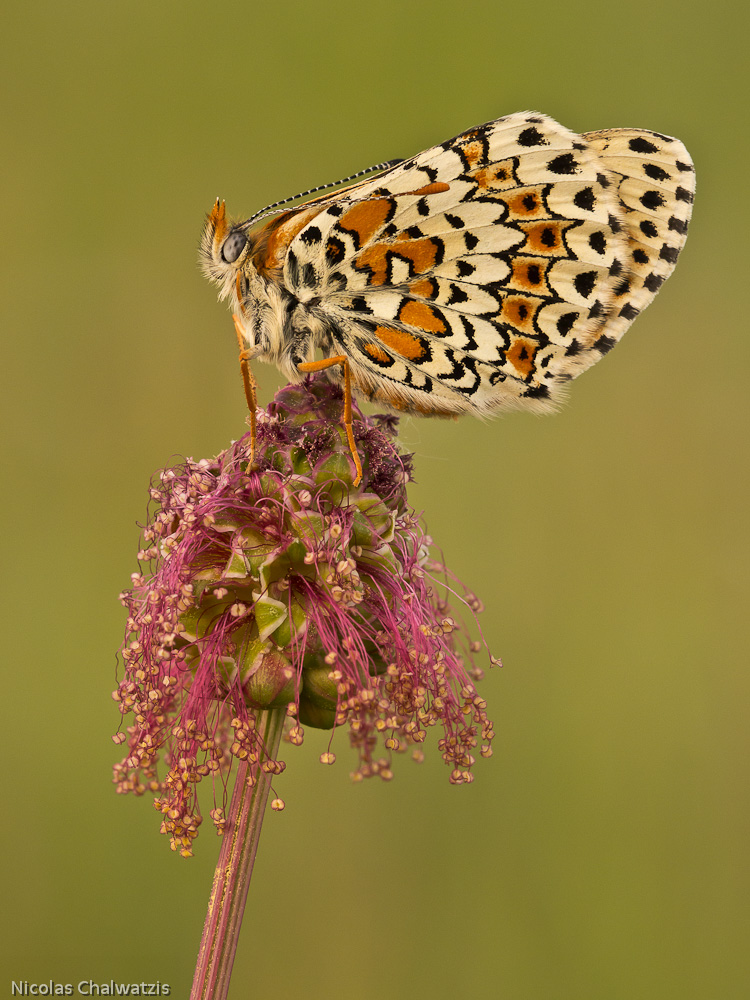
(602, 852)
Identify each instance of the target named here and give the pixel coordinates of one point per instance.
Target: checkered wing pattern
(486, 272)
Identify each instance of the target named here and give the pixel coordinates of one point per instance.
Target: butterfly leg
(318, 366)
(250, 395)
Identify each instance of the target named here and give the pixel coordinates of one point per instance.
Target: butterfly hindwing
(487, 271)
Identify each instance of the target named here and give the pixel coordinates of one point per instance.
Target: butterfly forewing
(655, 183)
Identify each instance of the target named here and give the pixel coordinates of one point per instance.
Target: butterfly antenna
(274, 208)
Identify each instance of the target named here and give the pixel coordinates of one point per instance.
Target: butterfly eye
(233, 246)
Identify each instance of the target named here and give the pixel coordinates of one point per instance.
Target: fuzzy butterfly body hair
(478, 276)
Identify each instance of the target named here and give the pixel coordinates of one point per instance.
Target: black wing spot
(573, 348)
(310, 235)
(457, 295)
(532, 137)
(682, 195)
(584, 283)
(615, 268)
(566, 323)
(536, 392)
(649, 229)
(652, 200)
(533, 274)
(471, 343)
(602, 180)
(614, 224)
(654, 172)
(585, 199)
(548, 237)
(604, 344)
(629, 311)
(454, 221)
(464, 268)
(653, 282)
(335, 251)
(596, 310)
(422, 207)
(641, 145)
(359, 304)
(470, 240)
(678, 225)
(684, 166)
(670, 254)
(598, 242)
(336, 210)
(566, 163)
(640, 257)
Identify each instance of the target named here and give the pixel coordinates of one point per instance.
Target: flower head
(283, 587)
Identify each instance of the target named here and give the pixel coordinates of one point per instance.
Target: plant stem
(231, 882)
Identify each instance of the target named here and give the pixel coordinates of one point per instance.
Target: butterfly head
(223, 249)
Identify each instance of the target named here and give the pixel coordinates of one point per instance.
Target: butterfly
(478, 276)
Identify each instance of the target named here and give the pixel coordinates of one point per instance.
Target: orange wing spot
(526, 204)
(498, 176)
(375, 260)
(435, 188)
(365, 218)
(271, 243)
(529, 275)
(519, 311)
(521, 355)
(421, 252)
(545, 237)
(422, 316)
(426, 288)
(474, 151)
(376, 352)
(409, 347)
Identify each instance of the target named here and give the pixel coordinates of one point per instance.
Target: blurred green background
(602, 852)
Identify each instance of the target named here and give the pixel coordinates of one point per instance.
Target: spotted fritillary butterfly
(480, 275)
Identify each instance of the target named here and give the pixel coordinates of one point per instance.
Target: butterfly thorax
(277, 326)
